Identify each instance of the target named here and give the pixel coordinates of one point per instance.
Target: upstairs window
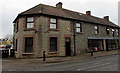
(53, 23)
(17, 25)
(117, 32)
(53, 44)
(30, 22)
(113, 32)
(107, 30)
(96, 29)
(78, 27)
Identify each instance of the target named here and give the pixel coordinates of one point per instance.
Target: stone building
(62, 32)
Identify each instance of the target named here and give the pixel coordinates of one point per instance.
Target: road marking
(80, 69)
(98, 65)
(93, 66)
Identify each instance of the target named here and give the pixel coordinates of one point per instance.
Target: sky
(9, 9)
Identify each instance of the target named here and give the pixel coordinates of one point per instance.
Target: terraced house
(62, 32)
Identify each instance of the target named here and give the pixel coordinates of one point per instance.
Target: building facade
(61, 32)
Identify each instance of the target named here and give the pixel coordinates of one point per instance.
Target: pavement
(82, 56)
(12, 63)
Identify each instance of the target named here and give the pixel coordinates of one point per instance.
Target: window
(30, 22)
(53, 44)
(53, 23)
(16, 44)
(29, 44)
(17, 24)
(78, 27)
(113, 32)
(96, 29)
(117, 32)
(107, 30)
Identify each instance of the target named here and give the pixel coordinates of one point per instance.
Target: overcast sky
(9, 9)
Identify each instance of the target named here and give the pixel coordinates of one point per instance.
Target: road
(106, 63)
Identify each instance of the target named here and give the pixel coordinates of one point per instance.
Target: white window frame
(30, 22)
(53, 23)
(96, 28)
(117, 32)
(78, 27)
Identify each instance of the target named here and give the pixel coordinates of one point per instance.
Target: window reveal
(53, 44)
(29, 44)
(96, 29)
(30, 22)
(78, 27)
(53, 23)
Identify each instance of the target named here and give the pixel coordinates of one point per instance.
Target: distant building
(62, 32)
(5, 41)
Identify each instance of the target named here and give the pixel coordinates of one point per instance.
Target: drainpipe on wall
(74, 38)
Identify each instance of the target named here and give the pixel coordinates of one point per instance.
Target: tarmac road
(106, 63)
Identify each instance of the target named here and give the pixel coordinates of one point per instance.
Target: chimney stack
(106, 18)
(88, 12)
(59, 5)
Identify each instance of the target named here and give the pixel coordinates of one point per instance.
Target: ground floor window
(112, 44)
(16, 44)
(53, 44)
(29, 44)
(96, 45)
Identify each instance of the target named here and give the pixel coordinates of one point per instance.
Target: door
(68, 46)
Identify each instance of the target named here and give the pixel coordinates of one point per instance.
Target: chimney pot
(88, 12)
(59, 5)
(106, 18)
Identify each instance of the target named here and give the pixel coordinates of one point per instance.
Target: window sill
(79, 32)
(53, 29)
(53, 52)
(28, 53)
(28, 29)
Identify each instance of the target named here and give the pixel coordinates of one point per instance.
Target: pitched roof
(60, 12)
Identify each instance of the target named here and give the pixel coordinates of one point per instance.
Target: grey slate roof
(60, 12)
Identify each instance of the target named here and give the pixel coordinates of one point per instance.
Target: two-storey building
(62, 32)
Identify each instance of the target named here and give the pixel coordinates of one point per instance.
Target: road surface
(106, 63)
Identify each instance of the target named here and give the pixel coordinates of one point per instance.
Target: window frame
(53, 23)
(96, 30)
(107, 30)
(16, 26)
(113, 32)
(53, 44)
(16, 44)
(78, 27)
(25, 51)
(27, 22)
(117, 32)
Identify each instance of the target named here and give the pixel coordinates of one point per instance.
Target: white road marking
(93, 66)
(98, 65)
(80, 69)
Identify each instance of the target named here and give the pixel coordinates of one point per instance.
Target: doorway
(68, 46)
